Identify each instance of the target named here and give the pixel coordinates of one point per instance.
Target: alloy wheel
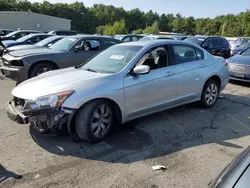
(211, 94)
(101, 121)
(43, 70)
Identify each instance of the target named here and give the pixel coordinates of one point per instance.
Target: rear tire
(41, 68)
(94, 121)
(210, 93)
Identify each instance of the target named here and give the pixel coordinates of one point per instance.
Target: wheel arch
(39, 62)
(115, 107)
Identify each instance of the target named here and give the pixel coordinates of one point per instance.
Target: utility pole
(223, 29)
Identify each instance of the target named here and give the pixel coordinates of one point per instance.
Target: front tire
(94, 121)
(210, 93)
(41, 68)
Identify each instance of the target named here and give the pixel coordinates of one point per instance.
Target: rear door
(189, 67)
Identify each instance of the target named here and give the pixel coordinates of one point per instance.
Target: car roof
(90, 36)
(154, 42)
(6, 30)
(38, 34)
(29, 31)
(63, 30)
(206, 37)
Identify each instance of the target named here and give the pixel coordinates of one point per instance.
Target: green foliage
(119, 27)
(154, 29)
(107, 19)
(138, 31)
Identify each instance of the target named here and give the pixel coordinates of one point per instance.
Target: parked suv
(217, 46)
(62, 32)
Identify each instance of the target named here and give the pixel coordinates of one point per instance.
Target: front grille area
(239, 68)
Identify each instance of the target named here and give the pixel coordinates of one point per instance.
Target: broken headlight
(54, 100)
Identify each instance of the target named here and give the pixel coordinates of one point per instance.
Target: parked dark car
(41, 44)
(156, 37)
(4, 32)
(18, 34)
(217, 46)
(240, 48)
(239, 66)
(236, 174)
(28, 39)
(128, 38)
(62, 32)
(69, 51)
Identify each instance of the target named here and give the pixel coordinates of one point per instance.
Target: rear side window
(184, 54)
(199, 54)
(134, 38)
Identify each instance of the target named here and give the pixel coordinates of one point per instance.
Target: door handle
(170, 73)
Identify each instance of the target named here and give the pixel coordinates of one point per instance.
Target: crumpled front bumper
(14, 114)
(49, 118)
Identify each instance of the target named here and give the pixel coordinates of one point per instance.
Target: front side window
(184, 54)
(126, 39)
(112, 60)
(155, 58)
(208, 43)
(89, 45)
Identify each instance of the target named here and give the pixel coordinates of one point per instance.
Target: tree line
(110, 20)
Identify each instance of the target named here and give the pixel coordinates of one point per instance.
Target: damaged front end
(44, 114)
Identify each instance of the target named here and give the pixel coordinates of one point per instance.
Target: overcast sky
(196, 8)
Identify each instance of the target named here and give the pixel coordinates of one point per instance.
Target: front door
(153, 91)
(86, 49)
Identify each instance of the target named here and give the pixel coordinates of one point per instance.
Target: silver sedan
(122, 83)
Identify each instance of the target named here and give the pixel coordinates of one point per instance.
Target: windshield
(245, 44)
(112, 60)
(195, 40)
(10, 34)
(46, 41)
(247, 52)
(24, 38)
(64, 44)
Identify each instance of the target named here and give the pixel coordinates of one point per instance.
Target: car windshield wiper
(91, 70)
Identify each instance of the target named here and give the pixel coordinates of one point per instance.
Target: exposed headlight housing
(50, 101)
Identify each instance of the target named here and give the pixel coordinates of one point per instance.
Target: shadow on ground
(162, 133)
(6, 174)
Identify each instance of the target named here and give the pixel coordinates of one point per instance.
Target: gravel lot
(194, 144)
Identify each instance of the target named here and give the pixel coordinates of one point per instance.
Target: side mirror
(29, 42)
(77, 48)
(13, 37)
(141, 69)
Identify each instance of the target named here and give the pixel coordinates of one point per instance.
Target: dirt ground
(194, 144)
